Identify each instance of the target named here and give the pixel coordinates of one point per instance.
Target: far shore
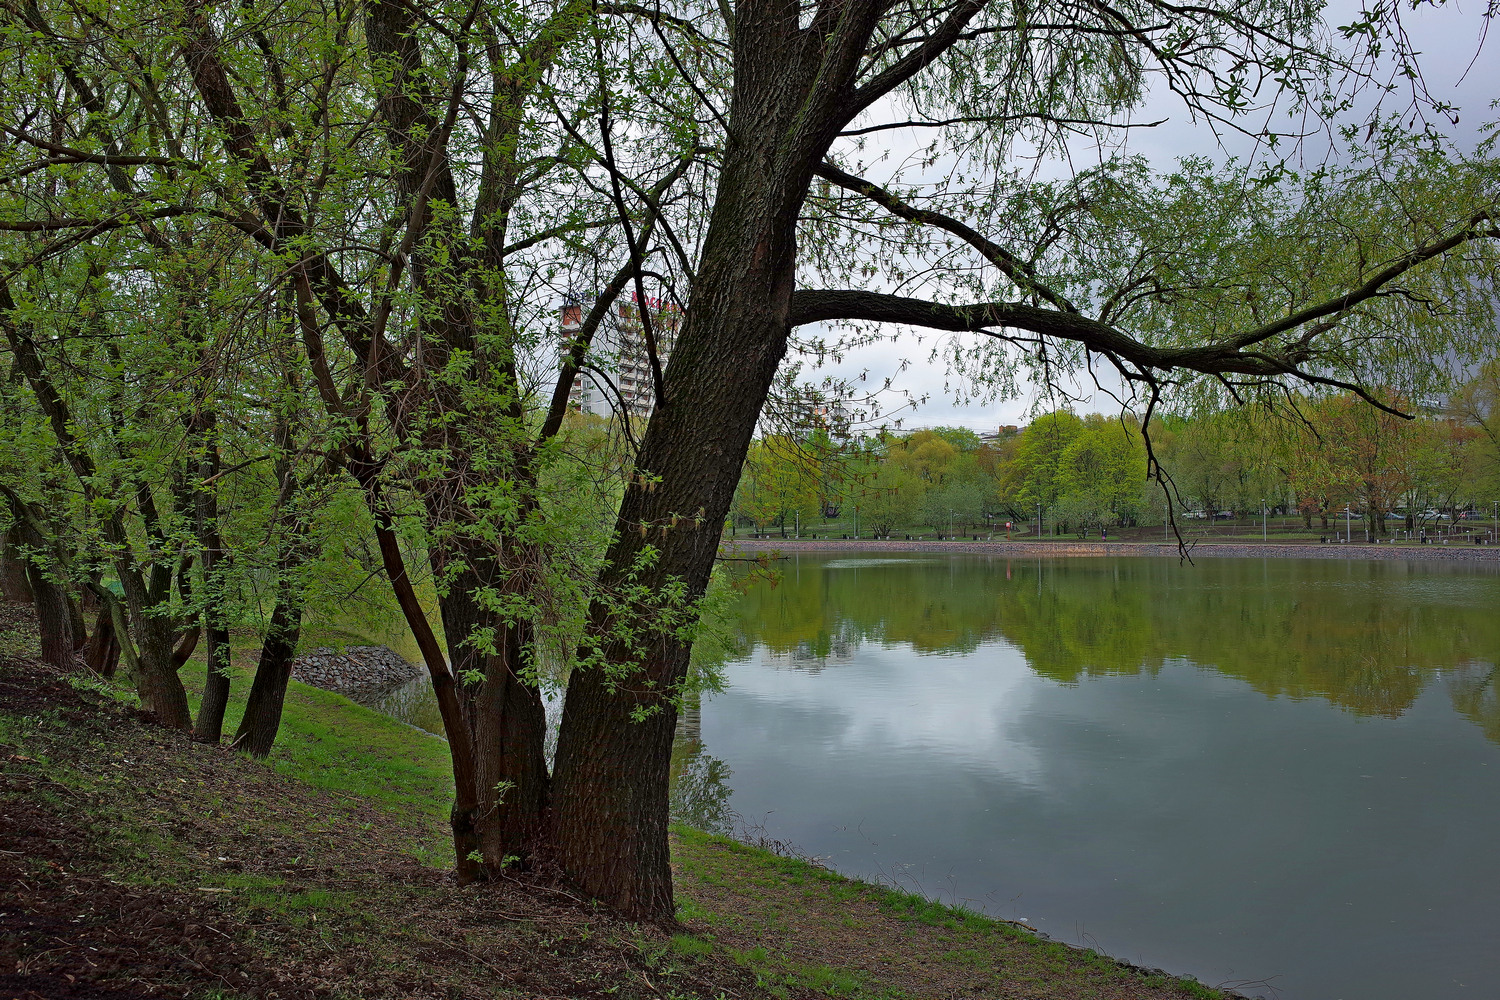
(1195, 550)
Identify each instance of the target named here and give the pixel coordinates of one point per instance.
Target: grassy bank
(139, 862)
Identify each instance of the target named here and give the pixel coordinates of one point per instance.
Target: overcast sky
(1455, 70)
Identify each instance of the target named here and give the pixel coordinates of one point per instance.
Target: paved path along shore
(1469, 553)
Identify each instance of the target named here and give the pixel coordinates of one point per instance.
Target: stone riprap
(354, 670)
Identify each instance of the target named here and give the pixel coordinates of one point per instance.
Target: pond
(1280, 775)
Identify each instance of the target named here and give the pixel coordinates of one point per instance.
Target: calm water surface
(1283, 774)
(1280, 774)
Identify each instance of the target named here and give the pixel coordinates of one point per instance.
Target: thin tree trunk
(14, 587)
(102, 654)
(209, 727)
(506, 718)
(78, 628)
(463, 817)
(53, 615)
(263, 706)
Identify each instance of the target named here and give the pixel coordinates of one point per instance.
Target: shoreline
(754, 924)
(1084, 549)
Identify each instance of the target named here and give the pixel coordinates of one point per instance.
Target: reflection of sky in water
(1178, 818)
(1181, 818)
(880, 700)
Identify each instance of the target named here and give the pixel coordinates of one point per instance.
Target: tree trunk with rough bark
(54, 624)
(610, 801)
(14, 587)
(102, 653)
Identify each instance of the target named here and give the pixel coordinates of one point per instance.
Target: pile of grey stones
(354, 670)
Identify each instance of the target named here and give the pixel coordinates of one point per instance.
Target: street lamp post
(1264, 535)
(1348, 525)
(856, 521)
(1039, 522)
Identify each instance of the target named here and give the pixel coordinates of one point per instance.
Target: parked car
(1475, 515)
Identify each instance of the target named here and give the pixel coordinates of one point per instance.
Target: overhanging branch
(1134, 358)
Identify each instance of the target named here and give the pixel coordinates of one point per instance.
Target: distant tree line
(1331, 456)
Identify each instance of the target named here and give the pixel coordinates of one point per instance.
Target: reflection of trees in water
(700, 793)
(690, 719)
(412, 703)
(1362, 635)
(1475, 690)
(700, 781)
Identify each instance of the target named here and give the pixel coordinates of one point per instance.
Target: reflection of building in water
(815, 657)
(690, 719)
(617, 367)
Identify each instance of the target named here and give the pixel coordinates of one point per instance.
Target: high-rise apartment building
(617, 367)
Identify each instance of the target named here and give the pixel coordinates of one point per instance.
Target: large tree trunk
(148, 644)
(156, 681)
(263, 706)
(610, 799)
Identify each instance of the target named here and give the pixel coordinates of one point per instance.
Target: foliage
(1336, 452)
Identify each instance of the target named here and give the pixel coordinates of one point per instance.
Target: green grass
(329, 742)
(800, 899)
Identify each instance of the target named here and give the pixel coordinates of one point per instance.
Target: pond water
(1277, 774)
